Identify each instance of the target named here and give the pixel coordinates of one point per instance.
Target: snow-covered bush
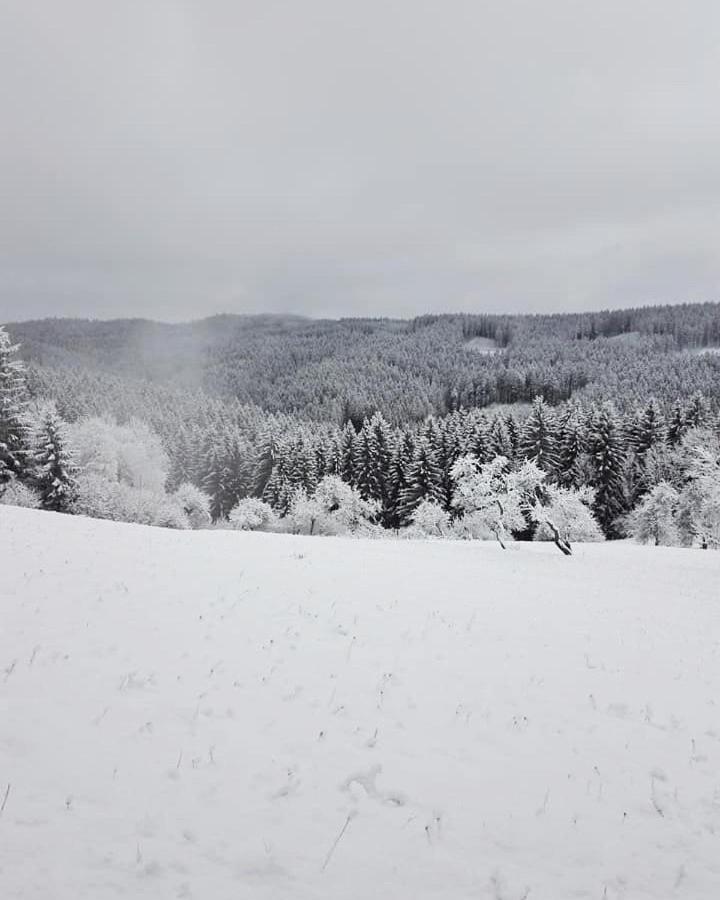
(104, 499)
(252, 514)
(654, 519)
(195, 504)
(335, 507)
(15, 493)
(430, 519)
(132, 453)
(306, 515)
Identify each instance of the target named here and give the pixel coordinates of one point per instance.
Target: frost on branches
(14, 443)
(686, 512)
(334, 508)
(55, 471)
(429, 520)
(501, 501)
(253, 514)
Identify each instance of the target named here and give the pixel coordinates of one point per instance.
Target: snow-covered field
(218, 715)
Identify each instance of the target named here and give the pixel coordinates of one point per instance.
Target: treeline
(207, 453)
(347, 370)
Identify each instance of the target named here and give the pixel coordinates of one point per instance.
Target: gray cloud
(176, 159)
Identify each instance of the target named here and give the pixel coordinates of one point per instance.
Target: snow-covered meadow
(223, 715)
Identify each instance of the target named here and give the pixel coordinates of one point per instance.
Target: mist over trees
(368, 426)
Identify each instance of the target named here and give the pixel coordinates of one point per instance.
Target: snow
(236, 715)
(482, 345)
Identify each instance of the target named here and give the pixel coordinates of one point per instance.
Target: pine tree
(677, 426)
(499, 443)
(423, 481)
(55, 471)
(265, 461)
(15, 449)
(572, 441)
(215, 480)
(366, 465)
(398, 478)
(539, 438)
(648, 429)
(696, 413)
(608, 458)
(346, 453)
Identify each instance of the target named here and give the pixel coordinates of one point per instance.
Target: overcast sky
(178, 158)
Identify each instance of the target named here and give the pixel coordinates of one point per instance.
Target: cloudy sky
(177, 158)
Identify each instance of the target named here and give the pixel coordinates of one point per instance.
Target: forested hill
(347, 369)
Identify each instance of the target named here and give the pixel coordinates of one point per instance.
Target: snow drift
(234, 715)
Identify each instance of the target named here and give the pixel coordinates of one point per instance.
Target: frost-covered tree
(654, 520)
(608, 454)
(489, 497)
(423, 481)
(253, 514)
(698, 517)
(132, 453)
(101, 498)
(539, 437)
(564, 515)
(306, 515)
(431, 519)
(15, 493)
(195, 504)
(648, 430)
(341, 509)
(15, 449)
(55, 470)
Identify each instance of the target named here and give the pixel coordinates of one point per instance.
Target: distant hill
(335, 370)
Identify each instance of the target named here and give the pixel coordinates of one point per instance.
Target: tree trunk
(562, 545)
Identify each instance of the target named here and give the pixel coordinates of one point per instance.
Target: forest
(248, 417)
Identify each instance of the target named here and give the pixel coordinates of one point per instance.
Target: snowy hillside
(223, 715)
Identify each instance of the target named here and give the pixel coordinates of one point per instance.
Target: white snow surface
(208, 714)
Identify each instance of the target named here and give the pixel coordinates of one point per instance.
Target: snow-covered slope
(221, 715)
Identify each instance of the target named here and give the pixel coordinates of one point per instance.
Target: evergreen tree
(423, 481)
(214, 481)
(15, 449)
(264, 462)
(696, 413)
(367, 476)
(346, 453)
(539, 439)
(677, 426)
(571, 444)
(55, 471)
(648, 430)
(608, 458)
(398, 478)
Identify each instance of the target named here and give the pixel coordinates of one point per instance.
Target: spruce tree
(15, 449)
(214, 481)
(608, 458)
(264, 462)
(366, 467)
(539, 438)
(572, 442)
(423, 481)
(648, 429)
(677, 426)
(54, 476)
(398, 477)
